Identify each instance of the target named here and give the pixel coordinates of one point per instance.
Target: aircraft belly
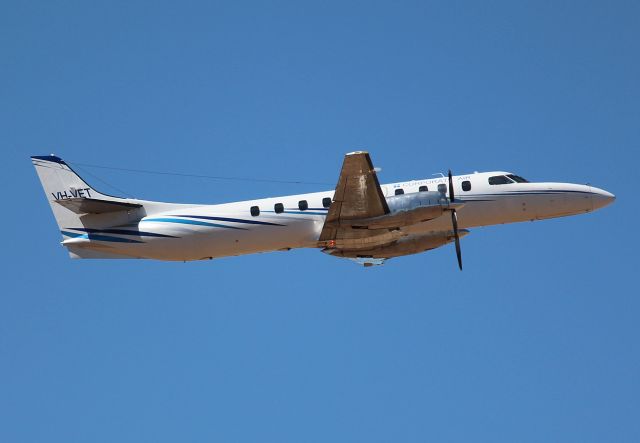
(562, 204)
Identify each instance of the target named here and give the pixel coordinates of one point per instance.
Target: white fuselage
(196, 232)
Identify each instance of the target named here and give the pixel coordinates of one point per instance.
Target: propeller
(454, 221)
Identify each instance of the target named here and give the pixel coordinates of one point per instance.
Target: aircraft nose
(601, 198)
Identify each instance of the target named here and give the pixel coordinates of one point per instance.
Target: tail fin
(68, 194)
(80, 210)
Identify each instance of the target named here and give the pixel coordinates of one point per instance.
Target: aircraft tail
(78, 207)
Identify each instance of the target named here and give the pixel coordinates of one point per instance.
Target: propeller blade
(454, 222)
(451, 195)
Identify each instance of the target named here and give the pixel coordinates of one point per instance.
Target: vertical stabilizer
(63, 186)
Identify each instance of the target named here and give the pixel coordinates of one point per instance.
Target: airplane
(360, 220)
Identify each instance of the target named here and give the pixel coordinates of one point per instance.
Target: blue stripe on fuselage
(229, 219)
(190, 222)
(122, 232)
(98, 237)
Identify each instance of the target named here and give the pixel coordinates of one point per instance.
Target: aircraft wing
(358, 195)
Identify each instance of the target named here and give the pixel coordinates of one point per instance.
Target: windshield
(517, 178)
(499, 180)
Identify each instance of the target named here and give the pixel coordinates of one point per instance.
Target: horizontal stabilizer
(81, 205)
(80, 252)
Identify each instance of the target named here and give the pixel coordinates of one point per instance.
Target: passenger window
(423, 189)
(326, 202)
(303, 205)
(466, 185)
(442, 188)
(278, 208)
(499, 180)
(399, 191)
(255, 211)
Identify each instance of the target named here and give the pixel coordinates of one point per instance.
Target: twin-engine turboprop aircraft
(360, 220)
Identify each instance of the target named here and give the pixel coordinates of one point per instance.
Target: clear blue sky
(537, 340)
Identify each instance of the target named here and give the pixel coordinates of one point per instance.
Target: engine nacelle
(412, 244)
(406, 210)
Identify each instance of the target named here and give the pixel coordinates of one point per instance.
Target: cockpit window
(499, 180)
(517, 178)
